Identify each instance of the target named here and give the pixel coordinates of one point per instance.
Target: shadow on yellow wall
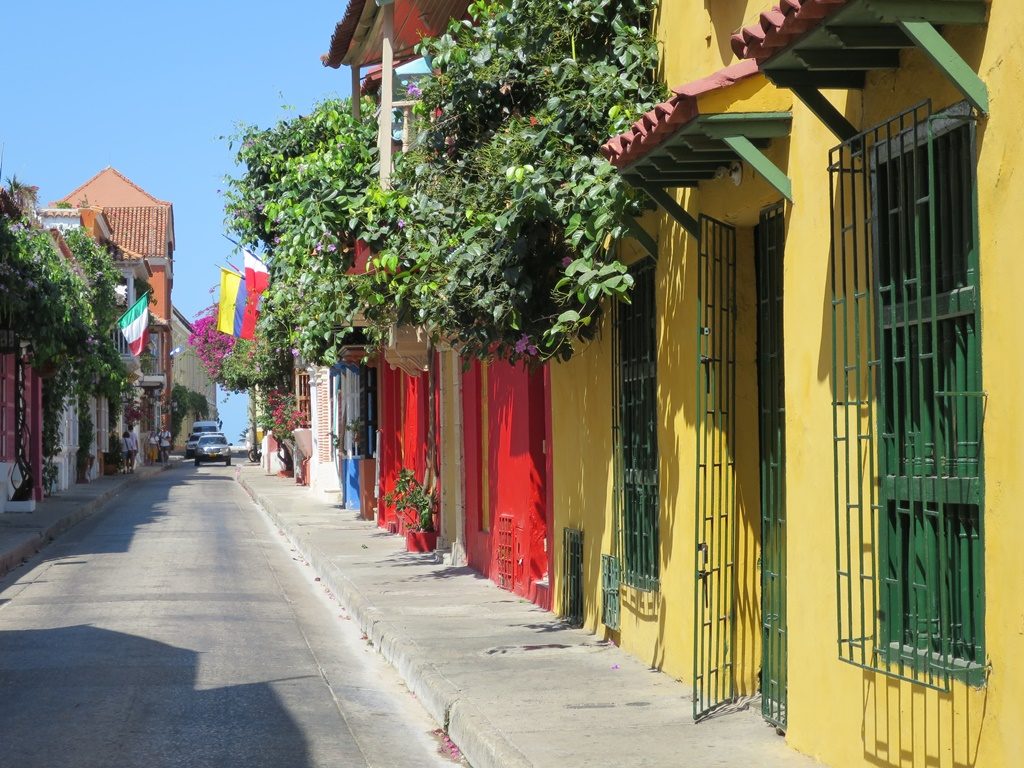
(911, 725)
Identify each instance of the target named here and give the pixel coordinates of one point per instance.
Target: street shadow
(93, 698)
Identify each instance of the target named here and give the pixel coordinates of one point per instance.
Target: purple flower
(295, 352)
(332, 247)
(277, 240)
(566, 261)
(414, 90)
(401, 223)
(525, 346)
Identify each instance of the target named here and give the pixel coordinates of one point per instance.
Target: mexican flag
(134, 324)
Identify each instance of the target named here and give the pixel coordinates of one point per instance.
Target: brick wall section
(323, 415)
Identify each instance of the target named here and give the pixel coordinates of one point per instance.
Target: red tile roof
(343, 32)
(666, 118)
(780, 25)
(413, 20)
(109, 170)
(140, 229)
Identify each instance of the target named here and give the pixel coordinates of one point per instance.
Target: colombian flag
(231, 312)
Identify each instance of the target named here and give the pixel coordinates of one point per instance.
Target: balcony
(131, 362)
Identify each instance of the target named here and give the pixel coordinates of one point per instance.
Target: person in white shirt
(133, 449)
(165, 444)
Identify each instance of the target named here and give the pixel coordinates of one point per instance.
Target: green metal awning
(693, 138)
(697, 151)
(859, 37)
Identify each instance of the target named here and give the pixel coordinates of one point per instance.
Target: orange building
(143, 227)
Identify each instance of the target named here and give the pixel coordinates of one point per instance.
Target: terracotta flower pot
(420, 541)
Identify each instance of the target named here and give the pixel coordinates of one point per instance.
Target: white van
(199, 428)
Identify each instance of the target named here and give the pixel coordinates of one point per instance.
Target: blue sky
(150, 88)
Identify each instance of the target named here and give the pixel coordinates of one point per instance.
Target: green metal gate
(771, 235)
(714, 674)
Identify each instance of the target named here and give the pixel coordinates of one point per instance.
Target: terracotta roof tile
(140, 229)
(343, 32)
(661, 122)
(780, 25)
(69, 198)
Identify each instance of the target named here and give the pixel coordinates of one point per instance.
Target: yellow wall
(839, 713)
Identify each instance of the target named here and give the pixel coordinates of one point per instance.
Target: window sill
(926, 662)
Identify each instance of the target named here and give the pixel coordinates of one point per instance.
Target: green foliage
(412, 501)
(256, 363)
(185, 401)
(299, 199)
(277, 411)
(67, 309)
(86, 434)
(500, 225)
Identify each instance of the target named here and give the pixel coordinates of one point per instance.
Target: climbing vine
(500, 226)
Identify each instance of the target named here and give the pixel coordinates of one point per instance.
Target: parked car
(199, 428)
(213, 447)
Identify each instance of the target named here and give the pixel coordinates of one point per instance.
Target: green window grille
(572, 576)
(611, 599)
(635, 430)
(908, 405)
(714, 606)
(770, 241)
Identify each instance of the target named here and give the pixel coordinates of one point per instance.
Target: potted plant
(415, 507)
(112, 459)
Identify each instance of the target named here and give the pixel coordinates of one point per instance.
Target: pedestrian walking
(126, 452)
(153, 449)
(133, 448)
(165, 444)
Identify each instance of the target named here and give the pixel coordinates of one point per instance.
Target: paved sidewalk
(24, 534)
(512, 686)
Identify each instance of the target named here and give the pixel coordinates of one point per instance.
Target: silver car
(213, 448)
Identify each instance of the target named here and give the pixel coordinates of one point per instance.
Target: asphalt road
(176, 628)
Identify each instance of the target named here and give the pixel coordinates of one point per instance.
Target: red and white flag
(257, 278)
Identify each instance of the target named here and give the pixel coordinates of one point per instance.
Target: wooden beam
(671, 207)
(687, 155)
(838, 59)
(791, 78)
(752, 125)
(824, 110)
(760, 163)
(969, 12)
(942, 54)
(884, 36)
(642, 236)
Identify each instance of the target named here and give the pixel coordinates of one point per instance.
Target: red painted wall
(404, 427)
(517, 485)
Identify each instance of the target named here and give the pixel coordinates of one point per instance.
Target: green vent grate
(572, 577)
(611, 599)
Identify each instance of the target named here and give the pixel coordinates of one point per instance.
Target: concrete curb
(35, 542)
(482, 744)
